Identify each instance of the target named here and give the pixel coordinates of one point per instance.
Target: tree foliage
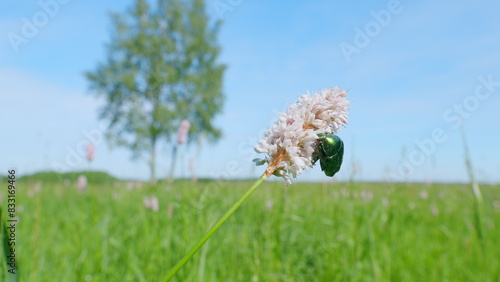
(161, 67)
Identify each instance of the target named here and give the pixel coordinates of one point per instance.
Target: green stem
(214, 228)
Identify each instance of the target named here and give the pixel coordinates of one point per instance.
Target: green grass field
(304, 232)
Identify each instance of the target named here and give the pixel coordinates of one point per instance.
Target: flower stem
(214, 228)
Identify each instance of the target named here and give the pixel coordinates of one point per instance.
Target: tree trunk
(152, 161)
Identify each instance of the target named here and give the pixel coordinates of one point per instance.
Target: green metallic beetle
(329, 152)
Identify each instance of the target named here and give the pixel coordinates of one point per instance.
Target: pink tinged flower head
(81, 183)
(183, 131)
(151, 203)
(291, 141)
(155, 206)
(90, 151)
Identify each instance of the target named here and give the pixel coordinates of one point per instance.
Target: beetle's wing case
(332, 149)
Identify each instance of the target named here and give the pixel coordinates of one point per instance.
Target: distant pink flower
(155, 206)
(170, 210)
(35, 189)
(90, 151)
(151, 203)
(183, 131)
(355, 169)
(496, 205)
(434, 210)
(81, 183)
(269, 205)
(385, 201)
(366, 195)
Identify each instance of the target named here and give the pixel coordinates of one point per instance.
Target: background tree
(161, 68)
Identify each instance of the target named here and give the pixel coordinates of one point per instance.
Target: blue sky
(414, 70)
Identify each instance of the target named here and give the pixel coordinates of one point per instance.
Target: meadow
(303, 232)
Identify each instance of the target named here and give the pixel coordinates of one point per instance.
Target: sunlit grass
(306, 232)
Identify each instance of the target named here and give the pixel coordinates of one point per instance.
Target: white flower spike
(291, 141)
(291, 146)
